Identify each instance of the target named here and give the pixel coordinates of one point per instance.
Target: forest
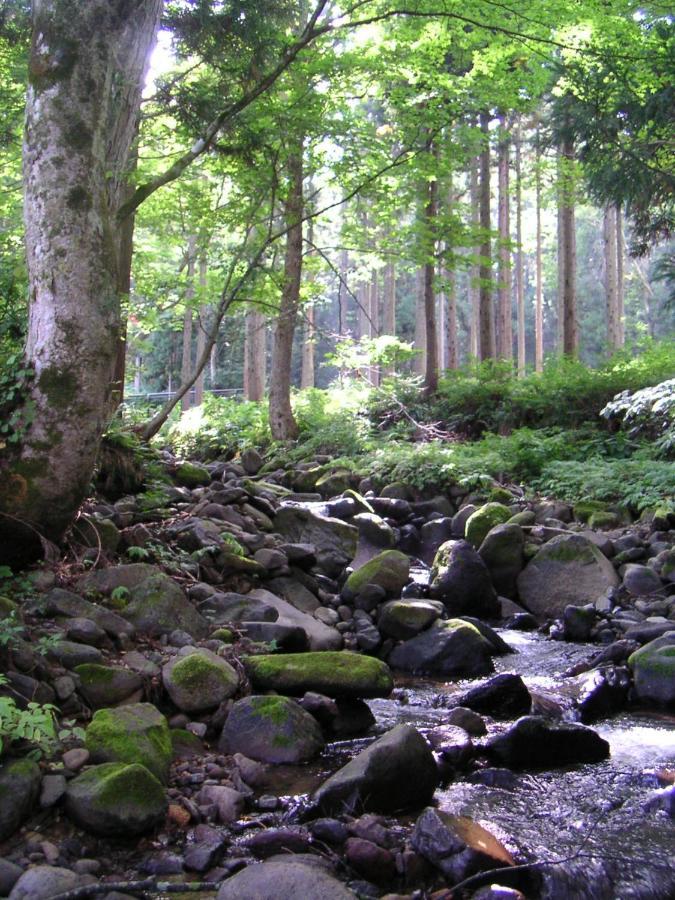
(337, 441)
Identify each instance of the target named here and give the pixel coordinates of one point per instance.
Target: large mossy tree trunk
(86, 71)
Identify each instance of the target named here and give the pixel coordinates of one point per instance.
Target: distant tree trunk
(539, 306)
(307, 376)
(486, 340)
(342, 293)
(85, 75)
(569, 252)
(647, 297)
(363, 311)
(186, 359)
(560, 307)
(620, 284)
(505, 330)
(213, 360)
(520, 273)
(126, 251)
(611, 283)
(420, 361)
(254, 355)
(282, 422)
(389, 308)
(474, 272)
(451, 355)
(374, 311)
(201, 330)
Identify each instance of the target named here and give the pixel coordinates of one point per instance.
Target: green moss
(94, 674)
(194, 670)
(604, 519)
(569, 551)
(585, 509)
(123, 783)
(453, 624)
(79, 199)
(191, 476)
(389, 569)
(60, 386)
(131, 734)
(273, 708)
(484, 520)
(224, 634)
(334, 673)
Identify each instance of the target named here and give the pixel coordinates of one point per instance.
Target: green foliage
(35, 724)
(16, 411)
(218, 428)
(11, 630)
(649, 413)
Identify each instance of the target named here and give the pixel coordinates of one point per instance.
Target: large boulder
(106, 685)
(483, 520)
(158, 606)
(43, 882)
(502, 553)
(454, 648)
(105, 581)
(461, 581)
(197, 680)
(137, 733)
(389, 570)
(457, 845)
(116, 799)
(303, 526)
(334, 674)
(283, 880)
(319, 636)
(653, 669)
(403, 619)
(568, 570)
(503, 697)
(537, 743)
(64, 603)
(19, 790)
(272, 730)
(396, 772)
(229, 607)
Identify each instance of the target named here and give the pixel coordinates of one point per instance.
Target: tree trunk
(520, 274)
(389, 309)
(539, 307)
(560, 308)
(201, 330)
(451, 357)
(620, 285)
(611, 283)
(254, 356)
(505, 330)
(86, 73)
(569, 250)
(474, 272)
(420, 360)
(307, 378)
(186, 359)
(282, 422)
(342, 293)
(486, 331)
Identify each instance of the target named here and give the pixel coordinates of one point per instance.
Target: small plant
(11, 630)
(138, 554)
(120, 595)
(47, 643)
(35, 724)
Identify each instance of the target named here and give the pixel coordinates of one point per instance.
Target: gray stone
(64, 603)
(567, 570)
(535, 742)
(158, 606)
(106, 685)
(283, 881)
(43, 882)
(402, 619)
(53, 788)
(228, 607)
(461, 581)
(271, 729)
(105, 581)
(319, 636)
(641, 580)
(228, 802)
(9, 875)
(85, 631)
(294, 593)
(303, 526)
(197, 680)
(502, 553)
(374, 529)
(19, 790)
(394, 773)
(653, 669)
(71, 655)
(454, 648)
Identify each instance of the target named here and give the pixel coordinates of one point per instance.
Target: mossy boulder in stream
(569, 569)
(485, 519)
(137, 733)
(653, 668)
(116, 799)
(454, 648)
(389, 570)
(198, 680)
(333, 673)
(272, 730)
(461, 581)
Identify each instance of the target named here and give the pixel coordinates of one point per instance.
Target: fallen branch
(148, 886)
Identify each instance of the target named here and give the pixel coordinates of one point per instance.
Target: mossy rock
(190, 475)
(226, 635)
(158, 606)
(335, 673)
(653, 668)
(197, 680)
(584, 509)
(334, 482)
(106, 685)
(361, 502)
(93, 531)
(485, 519)
(185, 744)
(604, 519)
(137, 733)
(271, 729)
(403, 619)
(105, 581)
(500, 495)
(8, 608)
(116, 799)
(526, 517)
(19, 789)
(397, 490)
(389, 569)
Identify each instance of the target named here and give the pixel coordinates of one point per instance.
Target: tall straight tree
(431, 330)
(389, 306)
(539, 286)
(568, 249)
(611, 280)
(86, 73)
(505, 329)
(188, 316)
(486, 337)
(254, 355)
(520, 274)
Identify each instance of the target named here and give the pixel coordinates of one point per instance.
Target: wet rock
(330, 831)
(457, 845)
(567, 570)
(116, 799)
(496, 642)
(502, 553)
(461, 581)
(290, 880)
(106, 685)
(504, 697)
(396, 772)
(453, 648)
(43, 882)
(641, 580)
(483, 520)
(19, 790)
(389, 570)
(229, 803)
(404, 619)
(197, 680)
(504, 779)
(370, 861)
(335, 674)
(293, 839)
(453, 744)
(498, 892)
(653, 668)
(137, 733)
(602, 693)
(271, 729)
(535, 742)
(467, 719)
(578, 622)
(207, 850)
(158, 606)
(649, 631)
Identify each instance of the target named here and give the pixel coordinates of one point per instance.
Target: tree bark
(186, 358)
(307, 378)
(420, 360)
(374, 312)
(254, 356)
(539, 308)
(86, 73)
(505, 330)
(389, 308)
(282, 422)
(520, 273)
(611, 282)
(569, 250)
(201, 329)
(486, 341)
(560, 306)
(620, 284)
(474, 272)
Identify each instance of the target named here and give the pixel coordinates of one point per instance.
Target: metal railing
(158, 397)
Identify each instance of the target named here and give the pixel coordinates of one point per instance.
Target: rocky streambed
(265, 689)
